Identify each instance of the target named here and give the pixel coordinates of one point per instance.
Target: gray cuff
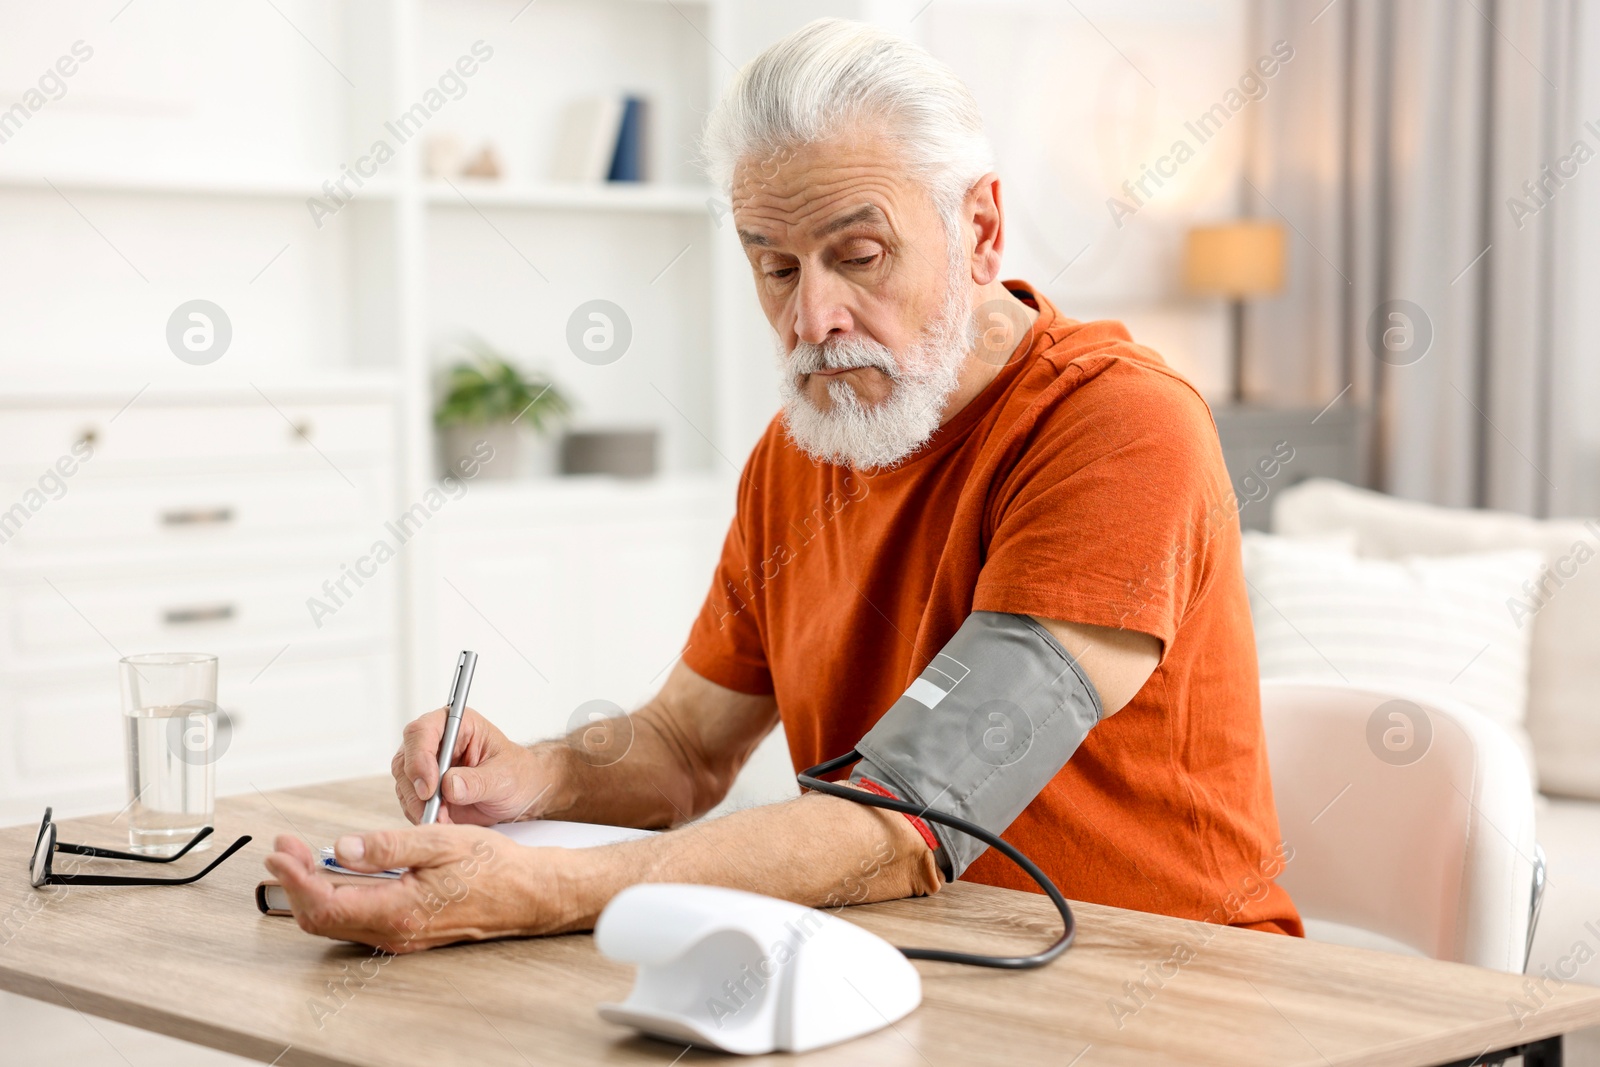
(981, 731)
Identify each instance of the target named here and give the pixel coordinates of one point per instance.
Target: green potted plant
(488, 398)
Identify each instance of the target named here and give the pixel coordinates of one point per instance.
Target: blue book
(627, 162)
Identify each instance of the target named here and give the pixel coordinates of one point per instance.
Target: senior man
(979, 539)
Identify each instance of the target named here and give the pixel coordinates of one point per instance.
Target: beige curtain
(1398, 151)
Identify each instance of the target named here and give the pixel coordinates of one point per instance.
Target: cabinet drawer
(189, 512)
(45, 626)
(151, 431)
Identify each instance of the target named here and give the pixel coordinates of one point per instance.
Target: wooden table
(200, 963)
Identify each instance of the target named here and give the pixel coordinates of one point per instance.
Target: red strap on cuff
(922, 827)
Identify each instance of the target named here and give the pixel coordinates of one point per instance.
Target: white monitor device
(750, 974)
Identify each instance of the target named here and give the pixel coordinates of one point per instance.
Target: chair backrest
(1408, 817)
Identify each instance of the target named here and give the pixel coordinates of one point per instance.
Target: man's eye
(782, 273)
(862, 261)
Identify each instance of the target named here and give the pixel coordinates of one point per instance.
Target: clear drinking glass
(170, 714)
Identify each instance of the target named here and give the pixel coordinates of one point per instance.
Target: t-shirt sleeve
(1114, 505)
(724, 644)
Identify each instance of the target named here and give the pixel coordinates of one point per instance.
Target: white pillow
(1564, 661)
(1428, 625)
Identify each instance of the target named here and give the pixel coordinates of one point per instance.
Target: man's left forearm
(468, 882)
(818, 850)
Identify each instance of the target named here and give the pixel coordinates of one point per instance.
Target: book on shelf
(604, 138)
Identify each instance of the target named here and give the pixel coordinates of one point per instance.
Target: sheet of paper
(553, 833)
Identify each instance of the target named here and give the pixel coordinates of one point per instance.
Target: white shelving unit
(288, 186)
(512, 259)
(689, 199)
(191, 156)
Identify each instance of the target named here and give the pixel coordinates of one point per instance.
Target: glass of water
(170, 717)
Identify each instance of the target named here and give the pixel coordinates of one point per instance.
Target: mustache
(843, 354)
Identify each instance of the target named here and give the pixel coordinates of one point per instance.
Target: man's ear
(983, 212)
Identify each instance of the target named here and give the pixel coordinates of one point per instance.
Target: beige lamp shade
(1237, 259)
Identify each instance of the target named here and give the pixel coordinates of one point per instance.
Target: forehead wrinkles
(806, 201)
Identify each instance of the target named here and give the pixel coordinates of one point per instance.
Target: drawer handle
(199, 613)
(197, 517)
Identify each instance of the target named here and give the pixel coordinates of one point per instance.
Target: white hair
(833, 74)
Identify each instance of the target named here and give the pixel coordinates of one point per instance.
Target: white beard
(866, 437)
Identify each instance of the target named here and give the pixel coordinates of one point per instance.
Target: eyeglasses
(45, 848)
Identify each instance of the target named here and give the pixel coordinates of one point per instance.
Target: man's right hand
(491, 778)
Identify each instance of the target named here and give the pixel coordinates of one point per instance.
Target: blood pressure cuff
(981, 731)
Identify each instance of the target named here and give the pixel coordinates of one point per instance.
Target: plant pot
(463, 448)
(516, 452)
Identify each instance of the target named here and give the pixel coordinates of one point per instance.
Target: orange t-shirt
(1084, 483)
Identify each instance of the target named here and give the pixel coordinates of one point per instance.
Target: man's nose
(819, 310)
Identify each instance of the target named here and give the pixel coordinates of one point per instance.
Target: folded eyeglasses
(47, 846)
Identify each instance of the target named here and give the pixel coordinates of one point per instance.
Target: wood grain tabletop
(201, 963)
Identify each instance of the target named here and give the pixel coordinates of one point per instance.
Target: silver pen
(465, 665)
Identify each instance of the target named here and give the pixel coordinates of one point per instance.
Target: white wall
(1080, 98)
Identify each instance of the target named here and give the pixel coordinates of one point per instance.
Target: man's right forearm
(636, 770)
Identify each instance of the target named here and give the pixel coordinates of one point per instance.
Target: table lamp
(1237, 260)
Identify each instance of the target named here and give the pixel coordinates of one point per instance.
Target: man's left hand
(465, 883)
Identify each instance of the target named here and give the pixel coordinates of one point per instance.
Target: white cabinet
(579, 590)
(569, 592)
(196, 520)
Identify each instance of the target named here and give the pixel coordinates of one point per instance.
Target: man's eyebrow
(864, 213)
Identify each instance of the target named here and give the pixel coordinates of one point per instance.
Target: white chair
(1409, 818)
